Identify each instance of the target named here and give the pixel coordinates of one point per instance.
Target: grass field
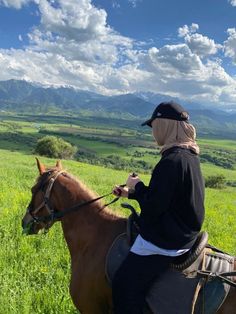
(35, 271)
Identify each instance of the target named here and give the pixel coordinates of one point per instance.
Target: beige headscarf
(169, 133)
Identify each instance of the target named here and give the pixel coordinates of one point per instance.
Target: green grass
(220, 218)
(35, 271)
(217, 143)
(210, 170)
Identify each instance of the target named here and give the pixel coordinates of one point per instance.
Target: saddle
(193, 284)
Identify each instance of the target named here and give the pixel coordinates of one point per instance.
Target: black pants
(133, 280)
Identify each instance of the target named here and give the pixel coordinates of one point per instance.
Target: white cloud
(199, 44)
(17, 4)
(74, 20)
(48, 69)
(186, 30)
(202, 45)
(233, 2)
(176, 71)
(230, 44)
(174, 58)
(20, 37)
(93, 51)
(78, 31)
(73, 45)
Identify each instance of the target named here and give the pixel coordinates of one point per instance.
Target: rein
(60, 214)
(54, 215)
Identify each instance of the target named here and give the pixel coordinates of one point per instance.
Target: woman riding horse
(172, 208)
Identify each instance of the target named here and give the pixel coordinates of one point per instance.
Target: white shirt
(143, 247)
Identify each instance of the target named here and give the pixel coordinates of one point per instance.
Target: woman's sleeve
(158, 195)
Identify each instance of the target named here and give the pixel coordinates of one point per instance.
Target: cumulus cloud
(186, 30)
(74, 20)
(174, 58)
(199, 44)
(233, 2)
(230, 44)
(177, 71)
(78, 31)
(202, 45)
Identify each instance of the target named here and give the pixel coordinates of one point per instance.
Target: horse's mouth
(29, 228)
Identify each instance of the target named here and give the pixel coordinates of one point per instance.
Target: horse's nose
(23, 223)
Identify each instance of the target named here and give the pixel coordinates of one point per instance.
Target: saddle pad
(115, 256)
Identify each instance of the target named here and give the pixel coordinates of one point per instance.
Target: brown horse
(89, 233)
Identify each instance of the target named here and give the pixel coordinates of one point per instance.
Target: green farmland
(35, 271)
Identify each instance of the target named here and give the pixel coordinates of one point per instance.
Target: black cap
(168, 110)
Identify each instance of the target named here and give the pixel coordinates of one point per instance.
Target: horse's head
(39, 214)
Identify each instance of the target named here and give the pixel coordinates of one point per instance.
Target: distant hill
(23, 97)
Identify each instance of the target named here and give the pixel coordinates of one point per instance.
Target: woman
(172, 208)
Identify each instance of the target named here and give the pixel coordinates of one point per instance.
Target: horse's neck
(88, 224)
(80, 230)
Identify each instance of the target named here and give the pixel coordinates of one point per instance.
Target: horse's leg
(229, 306)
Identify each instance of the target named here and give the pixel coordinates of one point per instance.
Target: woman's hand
(121, 191)
(132, 181)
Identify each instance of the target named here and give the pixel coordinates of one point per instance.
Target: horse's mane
(85, 192)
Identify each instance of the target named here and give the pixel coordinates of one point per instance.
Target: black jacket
(172, 206)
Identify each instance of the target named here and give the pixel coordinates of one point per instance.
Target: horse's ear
(41, 167)
(59, 165)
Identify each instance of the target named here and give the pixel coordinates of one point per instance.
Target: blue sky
(184, 49)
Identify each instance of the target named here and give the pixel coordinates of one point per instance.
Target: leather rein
(53, 215)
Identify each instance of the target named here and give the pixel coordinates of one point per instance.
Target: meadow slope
(35, 271)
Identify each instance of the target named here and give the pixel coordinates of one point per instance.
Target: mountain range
(23, 97)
